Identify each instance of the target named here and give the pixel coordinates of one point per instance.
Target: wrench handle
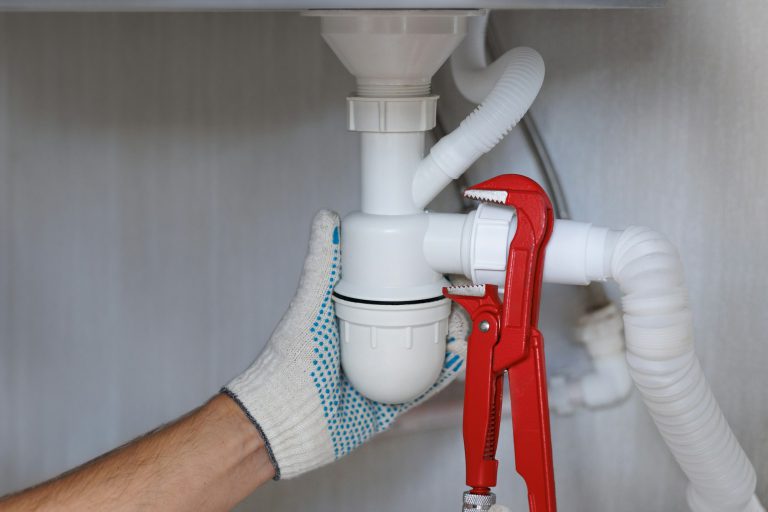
(530, 420)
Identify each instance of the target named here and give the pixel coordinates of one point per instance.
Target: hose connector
(474, 502)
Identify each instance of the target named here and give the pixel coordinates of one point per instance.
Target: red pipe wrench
(505, 338)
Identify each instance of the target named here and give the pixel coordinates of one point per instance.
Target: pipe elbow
(474, 77)
(644, 260)
(657, 319)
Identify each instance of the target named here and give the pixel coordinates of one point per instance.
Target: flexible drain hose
(501, 110)
(659, 336)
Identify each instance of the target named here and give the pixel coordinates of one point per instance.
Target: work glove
(296, 395)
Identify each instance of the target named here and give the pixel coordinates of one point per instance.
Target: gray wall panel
(144, 160)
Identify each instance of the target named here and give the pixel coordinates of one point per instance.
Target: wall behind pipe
(143, 158)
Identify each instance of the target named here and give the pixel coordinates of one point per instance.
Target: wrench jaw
(487, 196)
(505, 189)
(475, 290)
(475, 298)
(483, 388)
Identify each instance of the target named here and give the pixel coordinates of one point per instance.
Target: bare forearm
(208, 460)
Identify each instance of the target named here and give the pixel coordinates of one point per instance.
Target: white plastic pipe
(477, 246)
(508, 100)
(387, 162)
(659, 336)
(447, 242)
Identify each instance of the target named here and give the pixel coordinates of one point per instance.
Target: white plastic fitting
(393, 317)
(609, 382)
(447, 242)
(393, 53)
(412, 335)
(391, 115)
(477, 246)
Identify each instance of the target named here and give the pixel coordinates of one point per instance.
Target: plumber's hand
(295, 394)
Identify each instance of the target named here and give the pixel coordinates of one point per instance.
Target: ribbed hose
(507, 103)
(659, 336)
(502, 109)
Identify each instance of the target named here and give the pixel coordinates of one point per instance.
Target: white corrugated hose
(508, 101)
(659, 337)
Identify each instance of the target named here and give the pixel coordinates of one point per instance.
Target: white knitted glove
(295, 393)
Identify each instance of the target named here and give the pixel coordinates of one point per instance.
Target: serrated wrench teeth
(477, 290)
(487, 196)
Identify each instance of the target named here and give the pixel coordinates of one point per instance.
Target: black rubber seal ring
(270, 454)
(388, 302)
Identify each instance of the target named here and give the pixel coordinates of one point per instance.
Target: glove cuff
(295, 443)
(271, 454)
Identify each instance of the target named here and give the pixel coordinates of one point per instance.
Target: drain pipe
(659, 335)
